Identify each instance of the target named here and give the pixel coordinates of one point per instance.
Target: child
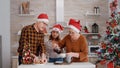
(54, 39)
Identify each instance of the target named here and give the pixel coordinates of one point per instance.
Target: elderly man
(33, 36)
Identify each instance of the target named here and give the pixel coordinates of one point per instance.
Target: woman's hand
(72, 54)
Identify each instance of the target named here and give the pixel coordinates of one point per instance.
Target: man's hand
(36, 60)
(43, 59)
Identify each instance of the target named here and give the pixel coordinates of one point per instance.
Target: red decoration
(27, 58)
(110, 65)
(112, 15)
(113, 23)
(102, 62)
(86, 30)
(103, 45)
(110, 50)
(107, 32)
(116, 39)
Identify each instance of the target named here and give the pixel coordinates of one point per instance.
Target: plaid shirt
(30, 36)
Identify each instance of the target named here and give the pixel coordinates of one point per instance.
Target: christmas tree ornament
(103, 45)
(112, 15)
(110, 65)
(27, 57)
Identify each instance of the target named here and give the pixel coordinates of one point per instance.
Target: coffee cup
(68, 59)
(62, 55)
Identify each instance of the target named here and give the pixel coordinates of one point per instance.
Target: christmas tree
(110, 46)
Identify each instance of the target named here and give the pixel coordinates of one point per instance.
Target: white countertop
(51, 65)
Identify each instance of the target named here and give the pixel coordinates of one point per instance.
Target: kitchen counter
(51, 65)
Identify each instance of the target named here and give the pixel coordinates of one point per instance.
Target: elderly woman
(54, 39)
(75, 43)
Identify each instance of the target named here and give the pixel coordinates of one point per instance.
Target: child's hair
(51, 38)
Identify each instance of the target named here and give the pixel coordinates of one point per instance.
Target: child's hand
(55, 46)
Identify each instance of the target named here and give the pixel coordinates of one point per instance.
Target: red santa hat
(57, 27)
(75, 25)
(43, 18)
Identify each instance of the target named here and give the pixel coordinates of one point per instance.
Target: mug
(68, 59)
(62, 55)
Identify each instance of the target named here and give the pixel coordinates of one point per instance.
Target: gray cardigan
(49, 49)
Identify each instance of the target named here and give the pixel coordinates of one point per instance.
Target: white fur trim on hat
(74, 28)
(43, 20)
(56, 29)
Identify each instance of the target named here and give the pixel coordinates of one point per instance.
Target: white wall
(59, 11)
(5, 32)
